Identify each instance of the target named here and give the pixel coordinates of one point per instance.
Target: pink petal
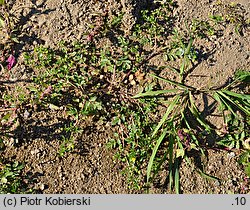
(11, 61)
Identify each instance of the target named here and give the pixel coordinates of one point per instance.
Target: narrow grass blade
(176, 178)
(160, 163)
(207, 176)
(165, 117)
(151, 160)
(170, 162)
(196, 113)
(234, 103)
(243, 76)
(226, 105)
(155, 93)
(237, 95)
(218, 99)
(188, 49)
(173, 82)
(173, 69)
(183, 66)
(246, 103)
(240, 76)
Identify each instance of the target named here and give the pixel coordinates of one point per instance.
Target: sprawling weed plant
(89, 80)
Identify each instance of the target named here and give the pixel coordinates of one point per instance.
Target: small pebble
(26, 114)
(217, 183)
(231, 155)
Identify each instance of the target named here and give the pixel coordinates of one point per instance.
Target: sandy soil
(90, 168)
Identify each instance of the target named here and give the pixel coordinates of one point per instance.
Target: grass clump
(182, 122)
(160, 125)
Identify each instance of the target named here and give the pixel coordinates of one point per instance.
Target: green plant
(68, 139)
(132, 140)
(235, 15)
(245, 160)
(155, 24)
(82, 78)
(182, 120)
(11, 179)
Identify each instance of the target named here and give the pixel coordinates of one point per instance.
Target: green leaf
(237, 95)
(9, 173)
(176, 178)
(32, 88)
(247, 170)
(2, 23)
(243, 76)
(155, 93)
(196, 113)
(234, 103)
(226, 104)
(4, 180)
(207, 176)
(53, 107)
(188, 49)
(170, 162)
(160, 163)
(185, 59)
(2, 2)
(151, 160)
(183, 66)
(173, 69)
(173, 82)
(165, 117)
(218, 99)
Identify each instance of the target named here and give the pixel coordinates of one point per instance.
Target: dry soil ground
(90, 168)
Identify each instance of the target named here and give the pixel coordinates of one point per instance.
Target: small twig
(2, 67)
